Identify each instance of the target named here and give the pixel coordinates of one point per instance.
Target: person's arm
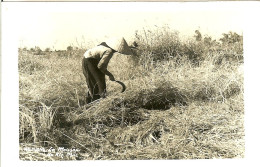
(110, 75)
(103, 63)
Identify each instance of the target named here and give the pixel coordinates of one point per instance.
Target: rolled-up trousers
(95, 79)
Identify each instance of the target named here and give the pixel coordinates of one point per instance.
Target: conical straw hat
(119, 45)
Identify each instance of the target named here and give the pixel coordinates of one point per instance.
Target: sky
(59, 25)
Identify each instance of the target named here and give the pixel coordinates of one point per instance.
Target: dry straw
(173, 108)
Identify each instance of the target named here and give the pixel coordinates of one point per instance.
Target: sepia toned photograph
(131, 81)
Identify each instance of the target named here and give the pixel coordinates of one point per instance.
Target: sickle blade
(123, 86)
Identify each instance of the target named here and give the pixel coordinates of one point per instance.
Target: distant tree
(47, 50)
(207, 40)
(38, 50)
(231, 37)
(69, 48)
(32, 49)
(198, 35)
(24, 49)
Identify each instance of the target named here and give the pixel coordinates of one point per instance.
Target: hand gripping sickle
(111, 77)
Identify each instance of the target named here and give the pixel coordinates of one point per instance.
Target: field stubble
(170, 110)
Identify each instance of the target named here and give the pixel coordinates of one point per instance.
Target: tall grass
(184, 100)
